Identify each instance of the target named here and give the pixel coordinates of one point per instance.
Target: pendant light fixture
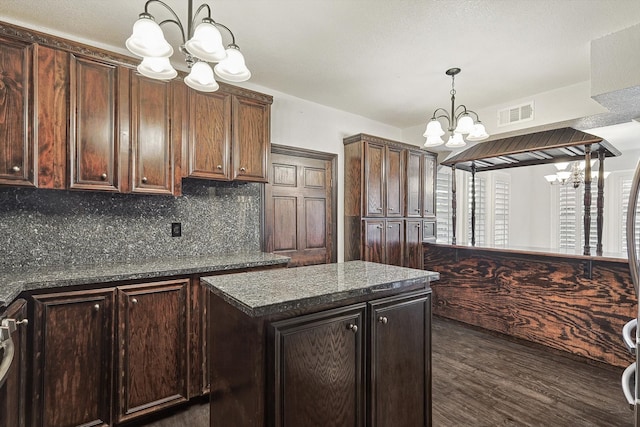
(203, 46)
(459, 122)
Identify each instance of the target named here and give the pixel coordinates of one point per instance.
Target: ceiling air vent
(516, 114)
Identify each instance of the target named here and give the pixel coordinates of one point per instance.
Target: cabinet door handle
(16, 169)
(379, 227)
(96, 307)
(418, 210)
(417, 225)
(379, 209)
(243, 170)
(353, 328)
(103, 177)
(383, 320)
(219, 167)
(134, 300)
(144, 179)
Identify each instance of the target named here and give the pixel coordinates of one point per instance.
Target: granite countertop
(12, 283)
(276, 291)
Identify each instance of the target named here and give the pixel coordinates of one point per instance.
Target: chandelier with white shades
(203, 46)
(459, 122)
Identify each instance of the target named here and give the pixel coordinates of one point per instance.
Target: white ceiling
(382, 59)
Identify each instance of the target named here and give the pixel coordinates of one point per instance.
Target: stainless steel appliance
(631, 332)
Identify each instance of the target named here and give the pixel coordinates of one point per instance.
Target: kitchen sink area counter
(340, 344)
(27, 279)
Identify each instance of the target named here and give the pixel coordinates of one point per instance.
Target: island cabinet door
(319, 369)
(12, 394)
(399, 369)
(73, 358)
(152, 339)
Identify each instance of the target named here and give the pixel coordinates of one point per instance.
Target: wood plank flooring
(484, 380)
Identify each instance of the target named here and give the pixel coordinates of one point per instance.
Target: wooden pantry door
(300, 206)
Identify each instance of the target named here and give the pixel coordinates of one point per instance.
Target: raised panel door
(150, 136)
(17, 153)
(12, 394)
(413, 244)
(374, 240)
(429, 186)
(318, 366)
(414, 184)
(394, 179)
(95, 136)
(373, 191)
(251, 139)
(394, 242)
(400, 370)
(153, 345)
(209, 148)
(73, 358)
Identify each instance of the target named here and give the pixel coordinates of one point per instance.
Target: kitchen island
(345, 344)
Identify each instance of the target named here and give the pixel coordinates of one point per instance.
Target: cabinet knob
(144, 179)
(390, 226)
(383, 320)
(417, 225)
(353, 328)
(219, 167)
(243, 170)
(379, 209)
(379, 227)
(103, 176)
(16, 169)
(134, 300)
(96, 307)
(418, 210)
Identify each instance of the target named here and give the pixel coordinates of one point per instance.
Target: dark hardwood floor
(484, 380)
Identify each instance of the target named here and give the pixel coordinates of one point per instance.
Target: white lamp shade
(455, 141)
(201, 78)
(465, 124)
(433, 141)
(564, 175)
(434, 129)
(157, 68)
(551, 178)
(478, 133)
(233, 68)
(147, 40)
(561, 166)
(206, 43)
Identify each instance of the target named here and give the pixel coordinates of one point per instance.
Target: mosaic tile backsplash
(48, 228)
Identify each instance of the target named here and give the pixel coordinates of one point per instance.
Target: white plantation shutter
(481, 211)
(501, 213)
(625, 185)
(443, 206)
(567, 229)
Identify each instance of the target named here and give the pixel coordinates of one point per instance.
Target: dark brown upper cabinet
(228, 135)
(420, 184)
(209, 116)
(94, 137)
(153, 151)
(17, 145)
(251, 139)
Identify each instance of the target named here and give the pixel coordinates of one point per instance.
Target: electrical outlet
(176, 229)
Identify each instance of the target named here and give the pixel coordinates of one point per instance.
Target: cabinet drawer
(428, 231)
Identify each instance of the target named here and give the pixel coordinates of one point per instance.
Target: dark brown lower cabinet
(399, 370)
(152, 340)
(413, 244)
(319, 361)
(73, 358)
(12, 393)
(384, 241)
(319, 369)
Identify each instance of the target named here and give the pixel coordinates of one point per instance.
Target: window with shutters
(443, 206)
(571, 221)
(625, 188)
(501, 209)
(481, 211)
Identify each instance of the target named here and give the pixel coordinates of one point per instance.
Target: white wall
(300, 123)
